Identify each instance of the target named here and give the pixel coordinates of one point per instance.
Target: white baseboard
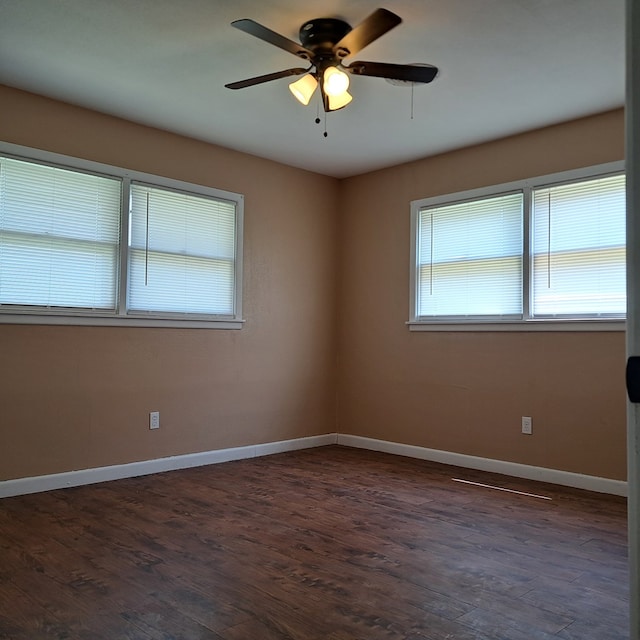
(542, 474)
(21, 486)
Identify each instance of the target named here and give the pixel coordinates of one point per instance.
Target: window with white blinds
(545, 249)
(470, 259)
(181, 252)
(578, 256)
(59, 235)
(85, 243)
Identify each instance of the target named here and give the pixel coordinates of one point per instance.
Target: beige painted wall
(466, 392)
(325, 276)
(79, 397)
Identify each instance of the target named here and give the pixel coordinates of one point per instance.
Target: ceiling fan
(324, 44)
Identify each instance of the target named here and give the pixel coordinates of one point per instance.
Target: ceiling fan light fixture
(324, 44)
(340, 101)
(304, 88)
(335, 82)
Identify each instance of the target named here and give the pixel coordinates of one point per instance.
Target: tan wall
(466, 392)
(79, 397)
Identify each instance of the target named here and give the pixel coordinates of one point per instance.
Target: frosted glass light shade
(336, 82)
(337, 102)
(303, 88)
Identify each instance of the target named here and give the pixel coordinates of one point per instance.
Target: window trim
(121, 317)
(526, 323)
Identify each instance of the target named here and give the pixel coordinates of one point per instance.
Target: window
(59, 233)
(470, 258)
(551, 248)
(578, 254)
(181, 252)
(91, 244)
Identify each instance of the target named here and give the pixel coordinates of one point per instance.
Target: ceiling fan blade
(406, 72)
(249, 82)
(370, 29)
(253, 28)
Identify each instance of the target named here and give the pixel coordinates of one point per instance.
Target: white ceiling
(506, 66)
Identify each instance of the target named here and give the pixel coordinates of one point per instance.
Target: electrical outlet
(154, 420)
(527, 426)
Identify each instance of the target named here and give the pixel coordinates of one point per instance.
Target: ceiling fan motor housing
(322, 34)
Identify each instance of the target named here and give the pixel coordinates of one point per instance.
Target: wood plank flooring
(330, 543)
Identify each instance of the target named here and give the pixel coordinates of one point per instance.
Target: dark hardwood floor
(330, 543)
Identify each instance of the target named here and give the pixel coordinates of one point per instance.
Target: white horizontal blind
(578, 259)
(59, 233)
(182, 250)
(470, 259)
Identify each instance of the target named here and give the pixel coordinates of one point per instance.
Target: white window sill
(521, 325)
(114, 321)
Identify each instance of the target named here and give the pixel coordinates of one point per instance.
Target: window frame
(526, 322)
(121, 316)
